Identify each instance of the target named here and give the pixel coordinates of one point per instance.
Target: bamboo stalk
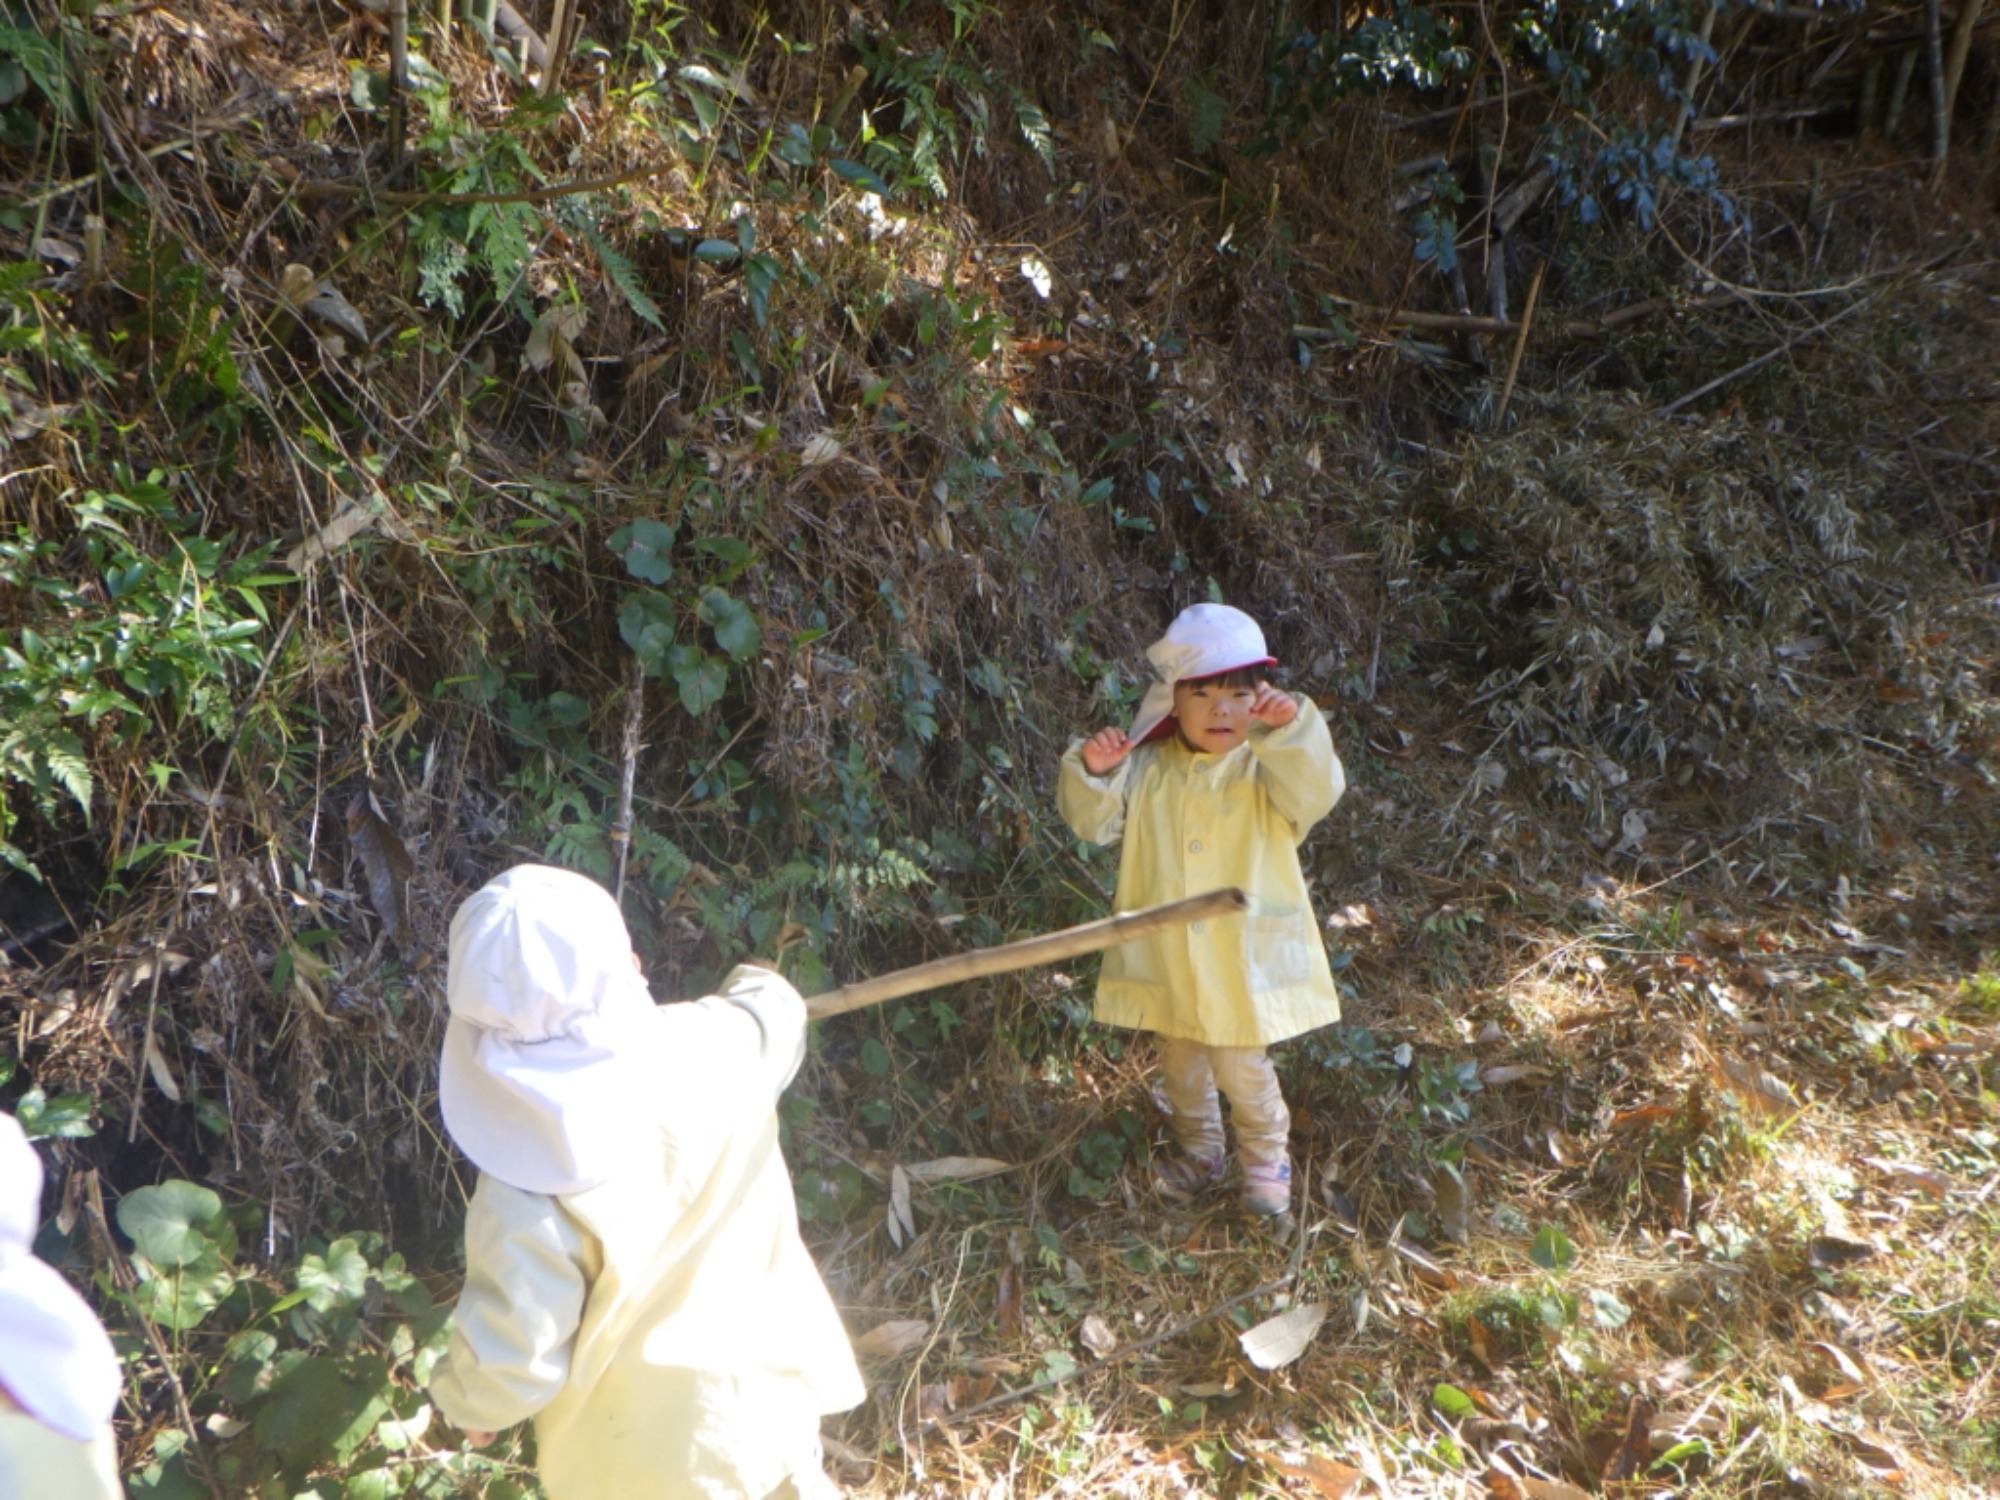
(1954, 64)
(621, 825)
(1520, 343)
(399, 78)
(1049, 948)
(1934, 56)
(1899, 93)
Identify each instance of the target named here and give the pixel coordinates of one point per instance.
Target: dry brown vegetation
(1666, 882)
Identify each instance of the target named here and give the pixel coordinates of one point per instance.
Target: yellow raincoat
(39, 1463)
(667, 1330)
(1190, 823)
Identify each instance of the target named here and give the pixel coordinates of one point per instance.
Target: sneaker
(1267, 1188)
(1184, 1174)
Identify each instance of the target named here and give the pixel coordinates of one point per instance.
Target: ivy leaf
(178, 1300)
(66, 1117)
(645, 547)
(646, 622)
(341, 1275)
(701, 677)
(1552, 1250)
(736, 627)
(168, 1223)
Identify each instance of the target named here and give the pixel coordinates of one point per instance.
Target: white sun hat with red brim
(553, 1045)
(1205, 640)
(55, 1359)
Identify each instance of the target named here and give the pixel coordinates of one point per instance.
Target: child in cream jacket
(59, 1378)
(635, 1281)
(1216, 784)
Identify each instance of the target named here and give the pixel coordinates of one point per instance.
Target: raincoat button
(1194, 846)
(1198, 927)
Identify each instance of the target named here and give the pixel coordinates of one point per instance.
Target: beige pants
(1190, 1075)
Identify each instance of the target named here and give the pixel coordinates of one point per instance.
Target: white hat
(55, 1360)
(553, 1037)
(1205, 640)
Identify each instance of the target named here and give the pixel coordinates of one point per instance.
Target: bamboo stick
(621, 824)
(1049, 948)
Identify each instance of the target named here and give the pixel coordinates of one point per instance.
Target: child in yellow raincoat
(634, 1278)
(59, 1378)
(1215, 784)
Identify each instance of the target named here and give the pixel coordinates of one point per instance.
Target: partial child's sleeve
(1299, 770)
(1093, 806)
(761, 1023)
(516, 1320)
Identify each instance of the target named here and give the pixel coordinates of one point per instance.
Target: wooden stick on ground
(1049, 948)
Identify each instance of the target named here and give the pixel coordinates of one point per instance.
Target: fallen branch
(1764, 117)
(1750, 366)
(307, 189)
(1122, 1352)
(1520, 342)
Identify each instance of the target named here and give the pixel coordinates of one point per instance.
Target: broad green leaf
(719, 251)
(341, 1275)
(66, 1117)
(861, 176)
(1452, 1402)
(170, 1224)
(736, 627)
(646, 622)
(373, 1484)
(1552, 1250)
(644, 545)
(702, 678)
(1097, 494)
(180, 1298)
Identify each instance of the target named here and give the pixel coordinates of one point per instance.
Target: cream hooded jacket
(666, 1328)
(1190, 823)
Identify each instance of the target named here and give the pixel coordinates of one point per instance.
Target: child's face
(1214, 719)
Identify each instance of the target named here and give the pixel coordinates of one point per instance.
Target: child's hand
(1273, 707)
(480, 1439)
(1104, 750)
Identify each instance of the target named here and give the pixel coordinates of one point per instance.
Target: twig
(560, 22)
(399, 79)
(1122, 1352)
(1695, 64)
(1575, 328)
(1749, 366)
(621, 825)
(525, 195)
(91, 179)
(1934, 55)
(1954, 71)
(1520, 342)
